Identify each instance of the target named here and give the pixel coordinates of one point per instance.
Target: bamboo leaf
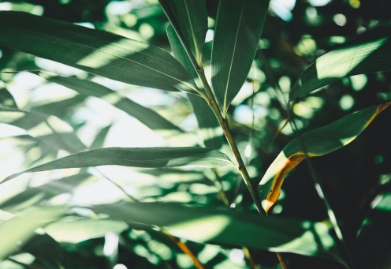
(136, 157)
(238, 28)
(94, 51)
(191, 18)
(210, 129)
(15, 232)
(145, 115)
(49, 129)
(205, 224)
(317, 142)
(369, 53)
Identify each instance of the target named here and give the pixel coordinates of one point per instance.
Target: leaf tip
(266, 204)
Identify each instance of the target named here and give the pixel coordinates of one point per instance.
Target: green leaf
(369, 53)
(210, 129)
(46, 191)
(76, 231)
(49, 129)
(145, 115)
(136, 157)
(205, 224)
(191, 19)
(16, 231)
(94, 51)
(317, 142)
(238, 29)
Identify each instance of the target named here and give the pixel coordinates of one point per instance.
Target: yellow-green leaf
(317, 142)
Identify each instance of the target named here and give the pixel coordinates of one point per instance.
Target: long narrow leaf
(191, 19)
(136, 157)
(49, 129)
(211, 225)
(317, 142)
(238, 29)
(369, 53)
(211, 131)
(94, 51)
(145, 115)
(18, 230)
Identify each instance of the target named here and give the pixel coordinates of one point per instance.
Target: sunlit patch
(120, 266)
(201, 229)
(346, 102)
(344, 60)
(384, 203)
(283, 8)
(110, 52)
(355, 3)
(305, 244)
(119, 8)
(359, 82)
(184, 261)
(237, 256)
(339, 19)
(318, 3)
(209, 35)
(146, 30)
(303, 110)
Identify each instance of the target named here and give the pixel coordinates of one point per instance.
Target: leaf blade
(317, 142)
(205, 224)
(368, 53)
(136, 157)
(234, 46)
(94, 51)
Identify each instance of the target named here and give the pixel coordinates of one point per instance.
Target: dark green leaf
(145, 115)
(6, 98)
(211, 131)
(369, 53)
(217, 226)
(94, 51)
(191, 19)
(238, 29)
(136, 157)
(317, 142)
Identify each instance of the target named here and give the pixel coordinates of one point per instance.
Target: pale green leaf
(238, 29)
(76, 231)
(136, 157)
(94, 51)
(317, 142)
(16, 231)
(47, 128)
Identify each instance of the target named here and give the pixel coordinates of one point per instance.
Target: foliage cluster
(162, 136)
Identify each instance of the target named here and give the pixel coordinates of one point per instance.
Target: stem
(227, 132)
(184, 248)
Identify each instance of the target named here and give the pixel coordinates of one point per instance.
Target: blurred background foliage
(295, 33)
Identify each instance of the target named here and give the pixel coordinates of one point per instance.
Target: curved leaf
(369, 53)
(317, 142)
(145, 115)
(238, 29)
(49, 129)
(217, 226)
(136, 157)
(18, 230)
(211, 131)
(191, 19)
(94, 51)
